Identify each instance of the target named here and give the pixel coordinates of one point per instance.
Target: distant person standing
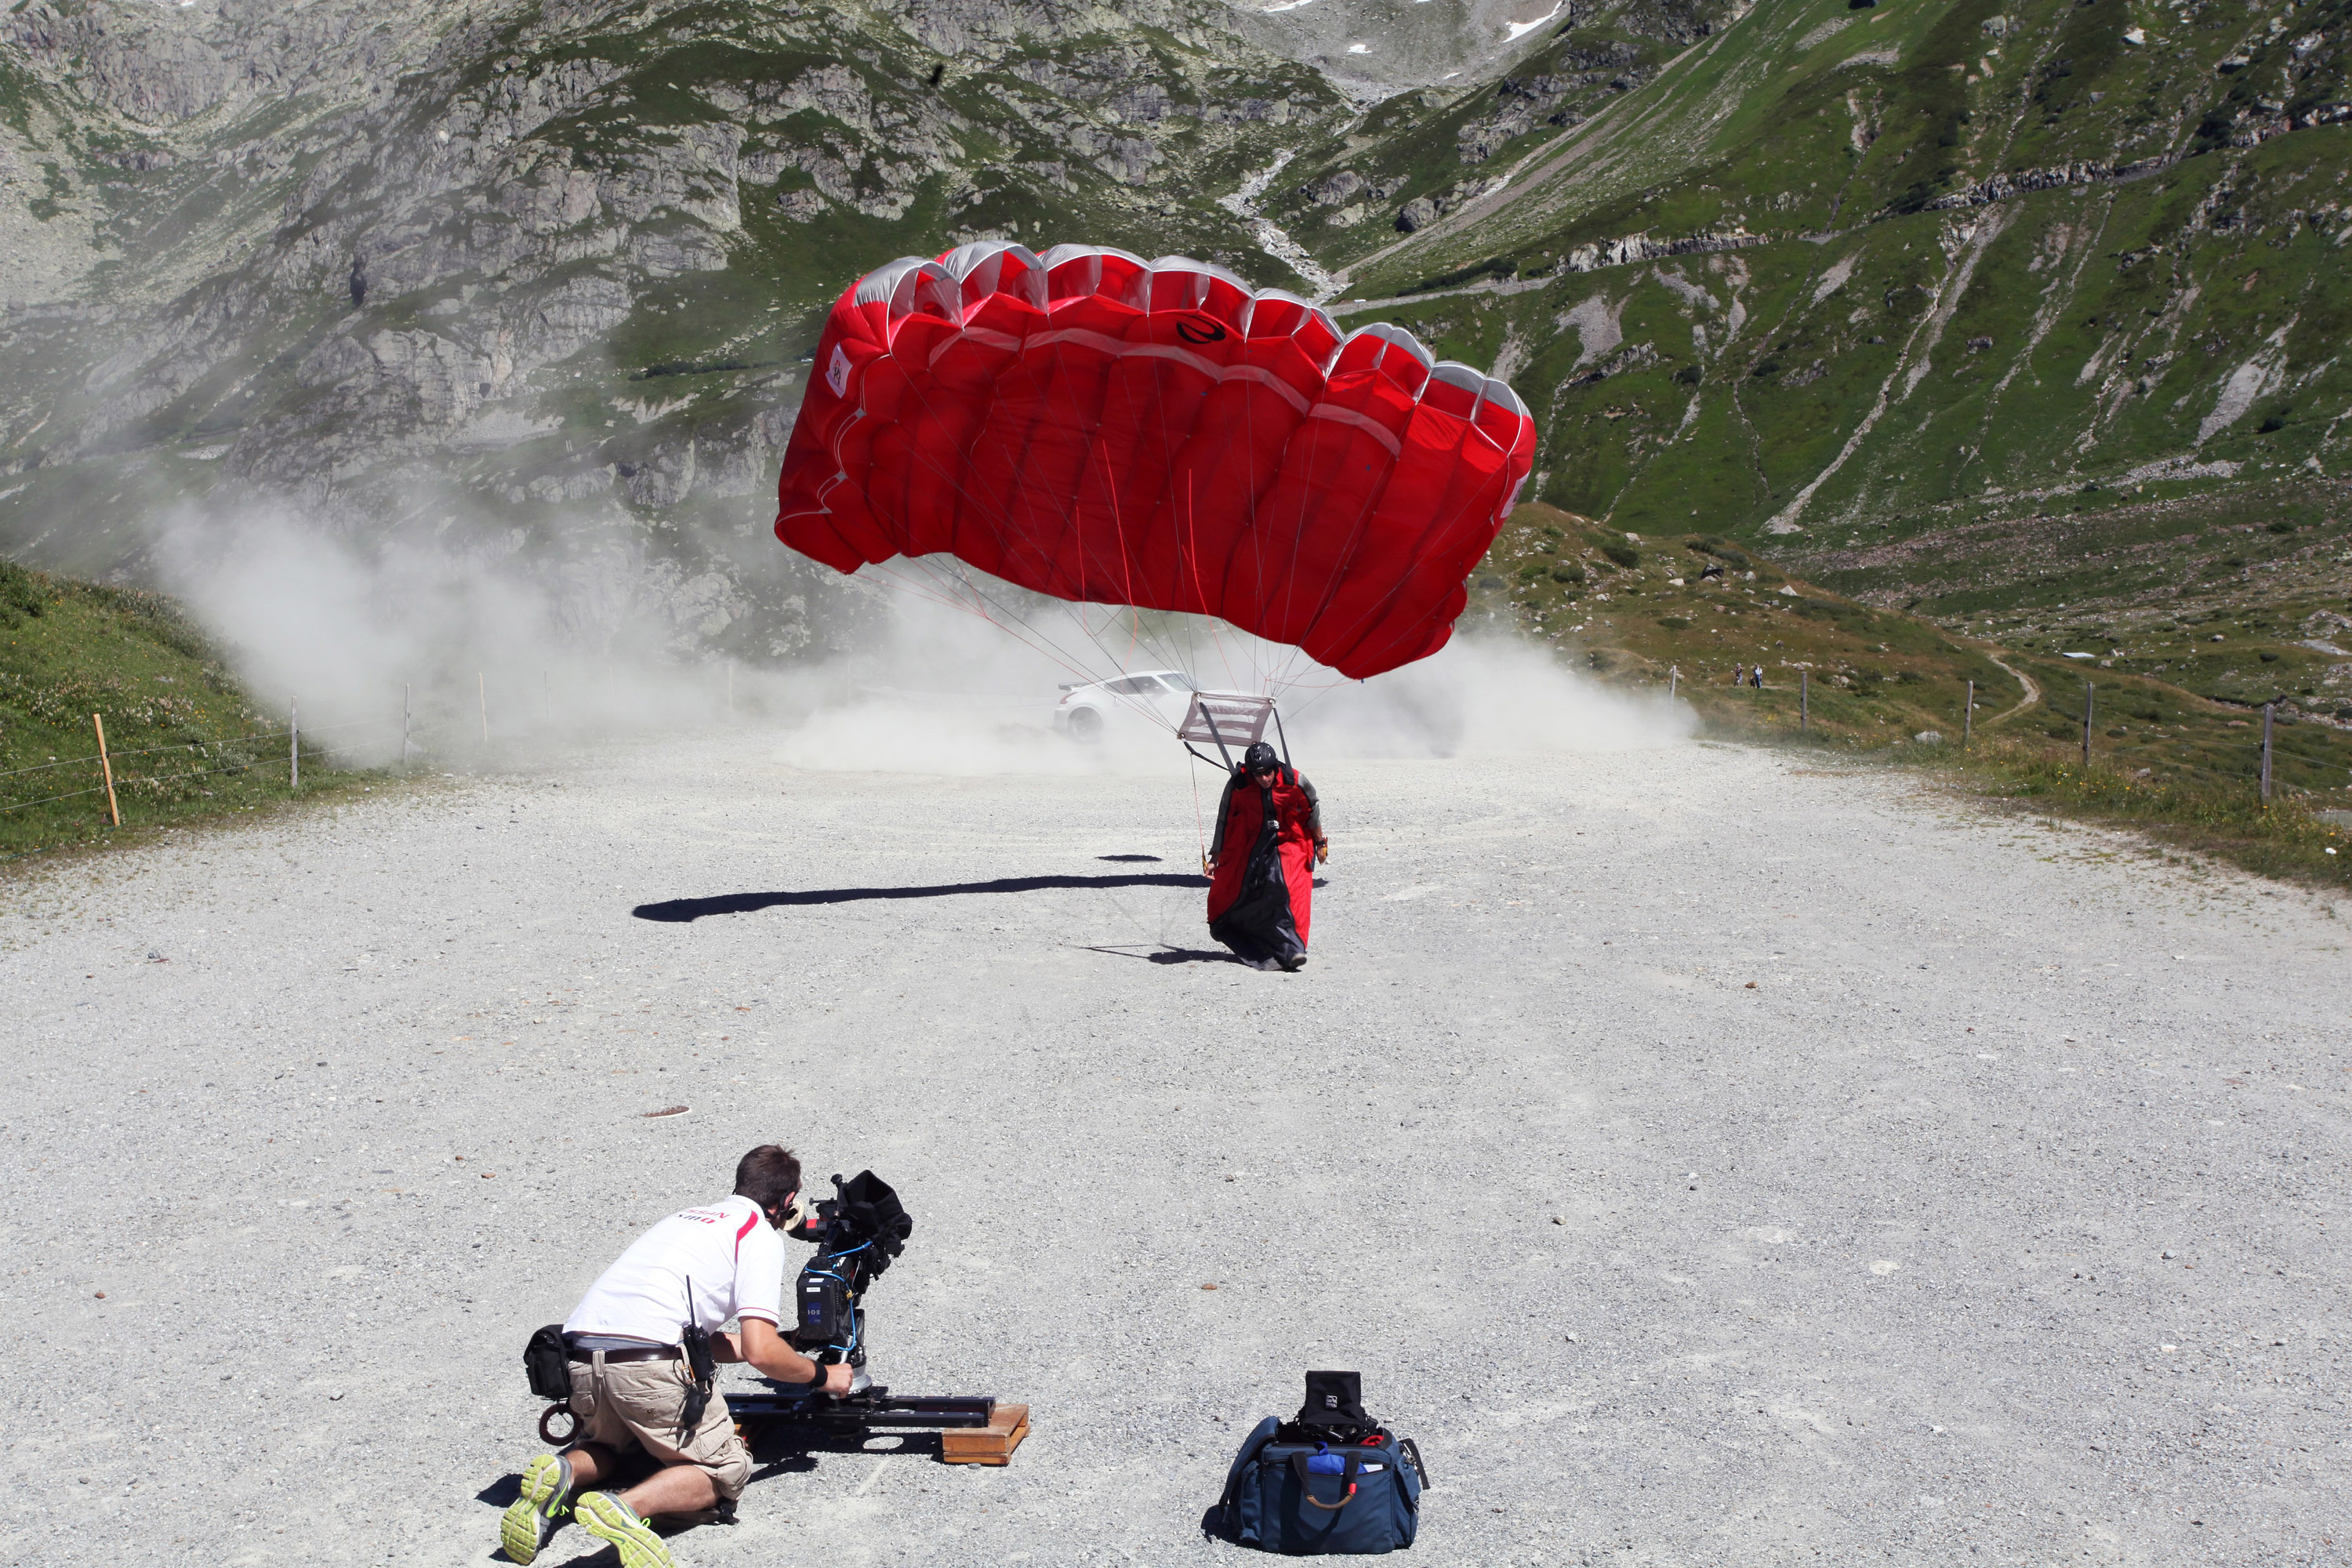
(1757, 679)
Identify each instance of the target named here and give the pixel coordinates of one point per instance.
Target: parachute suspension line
(1042, 645)
(1200, 826)
(1193, 553)
(1355, 539)
(978, 512)
(1367, 618)
(1125, 563)
(1005, 616)
(1035, 640)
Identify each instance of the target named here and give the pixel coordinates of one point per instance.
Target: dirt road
(1707, 1159)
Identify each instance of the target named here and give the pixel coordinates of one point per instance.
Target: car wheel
(1085, 725)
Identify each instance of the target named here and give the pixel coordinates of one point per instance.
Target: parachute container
(1104, 429)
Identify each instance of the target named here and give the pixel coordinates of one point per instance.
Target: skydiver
(1270, 839)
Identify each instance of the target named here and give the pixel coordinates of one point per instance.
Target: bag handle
(1351, 1467)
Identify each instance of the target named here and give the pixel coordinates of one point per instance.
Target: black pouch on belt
(548, 1364)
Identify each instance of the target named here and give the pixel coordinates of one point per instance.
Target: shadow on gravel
(1167, 954)
(1153, 858)
(678, 911)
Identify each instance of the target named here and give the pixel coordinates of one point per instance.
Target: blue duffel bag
(1308, 1489)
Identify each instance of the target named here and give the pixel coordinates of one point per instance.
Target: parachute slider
(1225, 720)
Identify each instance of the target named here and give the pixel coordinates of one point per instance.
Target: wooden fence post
(1674, 678)
(106, 768)
(1968, 716)
(293, 744)
(2268, 708)
(1804, 701)
(2086, 723)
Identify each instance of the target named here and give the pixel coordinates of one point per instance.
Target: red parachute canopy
(1109, 430)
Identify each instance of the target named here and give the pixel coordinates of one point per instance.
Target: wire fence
(146, 770)
(2264, 756)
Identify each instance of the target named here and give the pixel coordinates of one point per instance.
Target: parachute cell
(1107, 430)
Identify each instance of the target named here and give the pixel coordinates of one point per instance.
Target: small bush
(1568, 572)
(1625, 555)
(20, 595)
(1675, 623)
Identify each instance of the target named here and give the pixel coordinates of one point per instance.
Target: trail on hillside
(2032, 691)
(1271, 236)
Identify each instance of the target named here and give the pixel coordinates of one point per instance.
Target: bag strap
(1351, 1467)
(1412, 1450)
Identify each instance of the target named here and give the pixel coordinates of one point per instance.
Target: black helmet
(1259, 758)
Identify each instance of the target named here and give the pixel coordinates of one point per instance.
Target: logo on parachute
(1200, 330)
(836, 373)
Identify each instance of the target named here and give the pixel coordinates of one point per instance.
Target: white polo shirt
(730, 1252)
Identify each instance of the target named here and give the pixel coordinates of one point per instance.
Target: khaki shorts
(636, 1404)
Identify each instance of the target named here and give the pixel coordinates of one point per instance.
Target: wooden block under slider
(990, 1445)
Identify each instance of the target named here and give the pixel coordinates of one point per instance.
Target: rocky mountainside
(534, 280)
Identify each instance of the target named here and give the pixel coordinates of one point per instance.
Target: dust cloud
(535, 653)
(947, 691)
(946, 673)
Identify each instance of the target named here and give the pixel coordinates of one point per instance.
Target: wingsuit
(1269, 834)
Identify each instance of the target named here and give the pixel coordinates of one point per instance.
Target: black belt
(651, 1352)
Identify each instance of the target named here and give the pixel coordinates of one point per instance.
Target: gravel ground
(1708, 1159)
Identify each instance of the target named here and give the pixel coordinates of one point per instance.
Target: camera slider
(974, 1429)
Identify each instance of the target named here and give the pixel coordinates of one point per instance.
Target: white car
(1087, 708)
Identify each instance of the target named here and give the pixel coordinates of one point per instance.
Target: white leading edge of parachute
(914, 282)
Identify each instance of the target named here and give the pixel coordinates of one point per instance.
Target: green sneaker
(534, 1518)
(607, 1518)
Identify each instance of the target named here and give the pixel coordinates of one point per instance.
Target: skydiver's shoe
(534, 1517)
(607, 1518)
(1294, 962)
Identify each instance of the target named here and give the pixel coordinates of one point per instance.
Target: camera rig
(858, 1232)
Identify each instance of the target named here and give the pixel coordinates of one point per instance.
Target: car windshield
(1181, 682)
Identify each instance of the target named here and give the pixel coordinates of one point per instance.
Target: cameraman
(631, 1383)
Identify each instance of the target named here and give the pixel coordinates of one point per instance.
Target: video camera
(857, 1231)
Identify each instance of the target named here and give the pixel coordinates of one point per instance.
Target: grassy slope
(2163, 757)
(185, 741)
(2021, 349)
